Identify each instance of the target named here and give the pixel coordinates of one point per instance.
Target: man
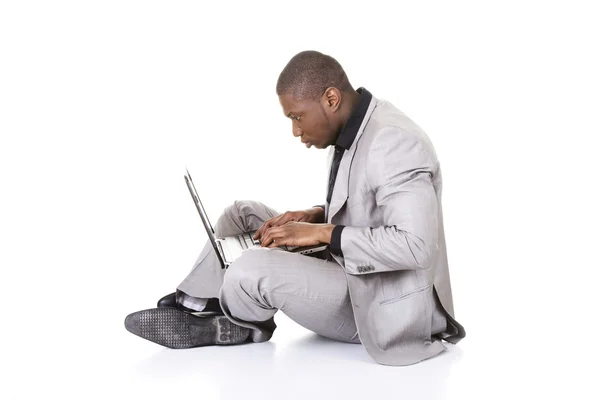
(384, 281)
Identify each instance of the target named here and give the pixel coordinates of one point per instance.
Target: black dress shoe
(177, 329)
(169, 300)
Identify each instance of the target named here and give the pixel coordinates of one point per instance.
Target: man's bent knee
(250, 265)
(242, 207)
(250, 271)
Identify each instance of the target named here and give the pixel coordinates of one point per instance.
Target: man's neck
(354, 98)
(349, 104)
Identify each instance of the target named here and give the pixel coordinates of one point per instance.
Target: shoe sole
(176, 329)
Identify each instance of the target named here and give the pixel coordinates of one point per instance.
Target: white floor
(96, 358)
(296, 364)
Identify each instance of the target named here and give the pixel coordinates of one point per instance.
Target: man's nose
(296, 131)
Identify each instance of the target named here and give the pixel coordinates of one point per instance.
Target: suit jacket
(388, 195)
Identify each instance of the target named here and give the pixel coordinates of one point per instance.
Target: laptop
(229, 248)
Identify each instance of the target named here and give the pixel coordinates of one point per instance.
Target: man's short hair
(309, 73)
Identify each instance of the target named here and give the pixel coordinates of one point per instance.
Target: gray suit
(391, 289)
(388, 194)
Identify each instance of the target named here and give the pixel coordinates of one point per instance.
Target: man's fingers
(271, 230)
(266, 238)
(277, 239)
(274, 244)
(271, 236)
(268, 223)
(280, 220)
(260, 231)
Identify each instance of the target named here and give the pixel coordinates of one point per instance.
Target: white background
(103, 104)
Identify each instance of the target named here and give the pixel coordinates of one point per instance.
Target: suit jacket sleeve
(399, 170)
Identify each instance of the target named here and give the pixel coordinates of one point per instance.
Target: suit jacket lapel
(340, 190)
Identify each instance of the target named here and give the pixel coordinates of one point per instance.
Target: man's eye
(297, 118)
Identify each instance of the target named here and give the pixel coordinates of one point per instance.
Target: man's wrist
(325, 233)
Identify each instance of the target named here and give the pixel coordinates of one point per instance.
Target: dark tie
(335, 164)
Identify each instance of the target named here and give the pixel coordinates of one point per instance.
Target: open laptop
(231, 247)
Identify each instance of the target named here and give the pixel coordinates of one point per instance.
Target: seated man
(384, 280)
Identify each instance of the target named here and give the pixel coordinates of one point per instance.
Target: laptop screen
(209, 229)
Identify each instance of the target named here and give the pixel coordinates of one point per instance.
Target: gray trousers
(311, 291)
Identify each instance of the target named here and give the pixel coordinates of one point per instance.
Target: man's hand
(313, 215)
(297, 234)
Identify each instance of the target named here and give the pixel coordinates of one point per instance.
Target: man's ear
(331, 99)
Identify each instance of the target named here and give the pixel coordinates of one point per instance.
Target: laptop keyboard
(246, 240)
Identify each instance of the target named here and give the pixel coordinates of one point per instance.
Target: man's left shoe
(177, 329)
(169, 300)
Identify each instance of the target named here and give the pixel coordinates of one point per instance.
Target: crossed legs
(311, 291)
